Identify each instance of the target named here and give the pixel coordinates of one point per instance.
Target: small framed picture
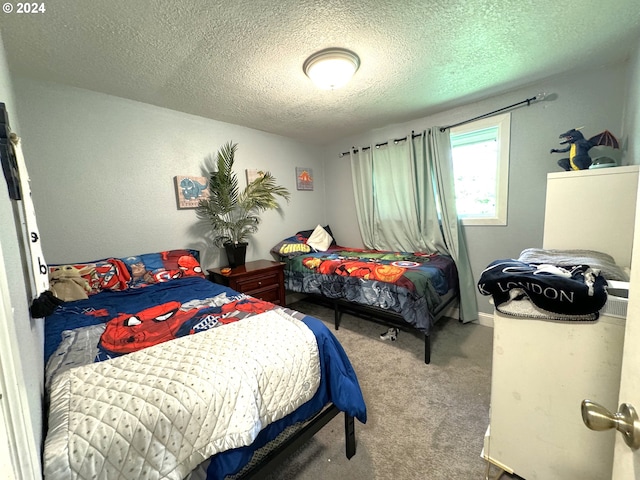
(253, 174)
(304, 178)
(190, 190)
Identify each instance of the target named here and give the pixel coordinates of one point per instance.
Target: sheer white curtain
(405, 200)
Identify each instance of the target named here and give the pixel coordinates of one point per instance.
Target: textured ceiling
(241, 61)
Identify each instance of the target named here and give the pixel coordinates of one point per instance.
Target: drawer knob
(259, 284)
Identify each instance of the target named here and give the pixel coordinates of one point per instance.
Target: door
(626, 463)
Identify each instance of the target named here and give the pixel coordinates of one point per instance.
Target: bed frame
(303, 433)
(380, 315)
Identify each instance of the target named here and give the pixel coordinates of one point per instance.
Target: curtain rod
(528, 101)
(378, 145)
(538, 97)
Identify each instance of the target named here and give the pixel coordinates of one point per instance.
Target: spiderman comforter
(178, 379)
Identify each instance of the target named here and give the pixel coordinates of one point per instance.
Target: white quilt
(159, 412)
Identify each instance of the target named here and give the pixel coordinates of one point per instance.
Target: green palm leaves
(234, 214)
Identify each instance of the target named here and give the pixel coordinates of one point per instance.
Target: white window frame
(503, 122)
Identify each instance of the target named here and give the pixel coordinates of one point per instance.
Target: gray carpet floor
(424, 421)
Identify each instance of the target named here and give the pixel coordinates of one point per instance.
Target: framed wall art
(253, 174)
(190, 190)
(304, 178)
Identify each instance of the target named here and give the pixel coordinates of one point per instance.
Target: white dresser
(542, 370)
(593, 210)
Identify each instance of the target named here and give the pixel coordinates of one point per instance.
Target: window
(480, 152)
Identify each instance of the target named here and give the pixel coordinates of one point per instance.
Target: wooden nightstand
(262, 279)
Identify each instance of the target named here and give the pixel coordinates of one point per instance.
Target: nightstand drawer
(263, 279)
(257, 282)
(269, 294)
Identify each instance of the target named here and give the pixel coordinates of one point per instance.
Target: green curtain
(362, 179)
(405, 200)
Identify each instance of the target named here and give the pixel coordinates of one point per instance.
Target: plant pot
(236, 253)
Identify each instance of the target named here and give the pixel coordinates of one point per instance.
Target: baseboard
(451, 312)
(485, 319)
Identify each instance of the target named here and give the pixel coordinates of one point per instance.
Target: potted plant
(234, 213)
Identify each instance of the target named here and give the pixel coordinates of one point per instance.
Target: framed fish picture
(190, 190)
(304, 178)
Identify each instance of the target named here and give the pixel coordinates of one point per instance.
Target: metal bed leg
(427, 349)
(349, 435)
(337, 314)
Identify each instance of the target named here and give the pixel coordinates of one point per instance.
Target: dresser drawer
(256, 282)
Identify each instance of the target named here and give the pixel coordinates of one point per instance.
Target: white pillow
(320, 239)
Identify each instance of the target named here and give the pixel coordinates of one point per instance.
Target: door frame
(23, 452)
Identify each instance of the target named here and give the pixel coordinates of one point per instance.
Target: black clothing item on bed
(576, 290)
(44, 305)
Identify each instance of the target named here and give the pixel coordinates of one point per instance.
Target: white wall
(631, 126)
(28, 332)
(593, 99)
(102, 170)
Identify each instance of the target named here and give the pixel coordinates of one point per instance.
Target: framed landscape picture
(190, 190)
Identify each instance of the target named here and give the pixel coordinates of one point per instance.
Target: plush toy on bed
(67, 283)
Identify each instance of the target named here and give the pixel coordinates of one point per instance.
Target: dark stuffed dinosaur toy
(579, 147)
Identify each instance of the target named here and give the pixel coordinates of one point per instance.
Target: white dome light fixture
(331, 68)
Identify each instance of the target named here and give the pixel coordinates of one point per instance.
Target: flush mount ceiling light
(331, 68)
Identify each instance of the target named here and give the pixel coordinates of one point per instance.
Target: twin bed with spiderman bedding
(152, 371)
(402, 290)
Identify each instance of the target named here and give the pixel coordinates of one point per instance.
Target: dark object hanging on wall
(8, 159)
(236, 253)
